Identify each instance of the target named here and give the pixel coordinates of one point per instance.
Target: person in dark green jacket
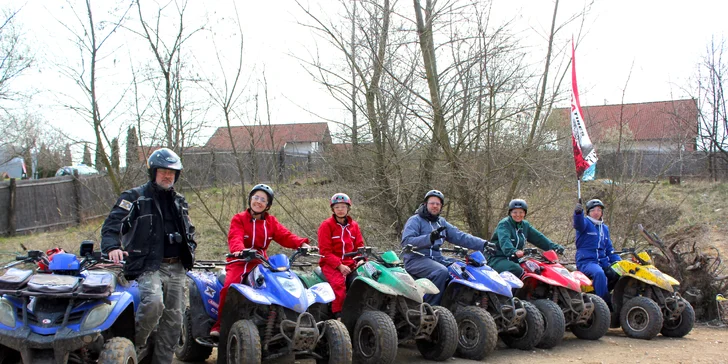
(510, 238)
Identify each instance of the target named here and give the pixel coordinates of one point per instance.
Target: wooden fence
(59, 202)
(53, 202)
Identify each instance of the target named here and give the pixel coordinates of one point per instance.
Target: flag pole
(578, 188)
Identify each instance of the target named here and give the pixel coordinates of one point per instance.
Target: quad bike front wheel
(118, 350)
(529, 331)
(243, 343)
(335, 346)
(477, 333)
(374, 339)
(641, 318)
(188, 349)
(554, 324)
(598, 323)
(444, 339)
(681, 326)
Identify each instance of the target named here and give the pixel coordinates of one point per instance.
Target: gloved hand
(559, 250)
(579, 208)
(435, 234)
(489, 248)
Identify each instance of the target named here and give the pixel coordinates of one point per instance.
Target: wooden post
(11, 208)
(77, 197)
(213, 169)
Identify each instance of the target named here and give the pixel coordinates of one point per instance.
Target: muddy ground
(705, 344)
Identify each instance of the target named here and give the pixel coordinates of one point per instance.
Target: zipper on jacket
(265, 237)
(343, 243)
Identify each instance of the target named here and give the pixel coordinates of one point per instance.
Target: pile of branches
(698, 267)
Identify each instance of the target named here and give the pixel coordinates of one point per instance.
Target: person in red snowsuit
(338, 235)
(253, 228)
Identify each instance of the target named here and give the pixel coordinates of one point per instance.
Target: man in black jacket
(149, 227)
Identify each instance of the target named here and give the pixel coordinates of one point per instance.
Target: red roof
(268, 137)
(662, 120)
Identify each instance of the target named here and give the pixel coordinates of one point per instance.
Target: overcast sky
(659, 42)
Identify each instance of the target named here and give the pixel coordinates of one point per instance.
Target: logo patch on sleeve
(126, 205)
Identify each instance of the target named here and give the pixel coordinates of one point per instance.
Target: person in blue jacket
(426, 230)
(594, 250)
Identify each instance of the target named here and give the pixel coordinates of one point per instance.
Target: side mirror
(87, 248)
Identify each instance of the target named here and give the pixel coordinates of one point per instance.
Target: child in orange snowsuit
(338, 235)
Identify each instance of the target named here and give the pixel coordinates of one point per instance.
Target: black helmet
(163, 158)
(265, 188)
(517, 204)
(594, 203)
(437, 194)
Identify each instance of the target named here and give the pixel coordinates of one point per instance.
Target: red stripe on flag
(584, 153)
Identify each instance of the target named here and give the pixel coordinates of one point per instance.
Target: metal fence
(654, 164)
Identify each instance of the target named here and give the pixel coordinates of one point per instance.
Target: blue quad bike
(266, 317)
(74, 311)
(484, 307)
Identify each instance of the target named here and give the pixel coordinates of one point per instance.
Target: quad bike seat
(15, 278)
(319, 273)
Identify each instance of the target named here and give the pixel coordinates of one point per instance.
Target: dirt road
(703, 345)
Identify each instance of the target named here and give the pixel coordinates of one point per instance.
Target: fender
(584, 281)
(124, 299)
(647, 274)
(251, 294)
(322, 293)
(425, 286)
(378, 286)
(207, 290)
(549, 281)
(474, 285)
(511, 279)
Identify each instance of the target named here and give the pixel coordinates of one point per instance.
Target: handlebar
(409, 248)
(531, 253)
(634, 254)
(457, 250)
(304, 252)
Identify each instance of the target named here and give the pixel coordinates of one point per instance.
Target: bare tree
(18, 129)
(227, 94)
(89, 37)
(15, 57)
(713, 128)
(378, 90)
(167, 54)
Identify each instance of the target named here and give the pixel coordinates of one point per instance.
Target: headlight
(7, 313)
(97, 315)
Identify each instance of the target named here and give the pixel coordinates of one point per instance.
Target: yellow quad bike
(645, 301)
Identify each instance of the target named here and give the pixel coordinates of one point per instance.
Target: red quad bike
(557, 294)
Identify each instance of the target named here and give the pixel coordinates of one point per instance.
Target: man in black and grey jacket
(149, 227)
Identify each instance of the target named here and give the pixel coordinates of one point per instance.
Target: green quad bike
(384, 308)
